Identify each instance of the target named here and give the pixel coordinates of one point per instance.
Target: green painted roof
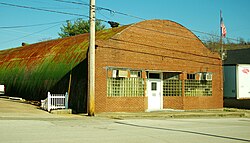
(41, 65)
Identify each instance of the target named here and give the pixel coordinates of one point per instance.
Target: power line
(30, 34)
(28, 7)
(101, 8)
(57, 23)
(201, 32)
(48, 10)
(32, 25)
(161, 47)
(86, 16)
(121, 13)
(60, 8)
(161, 55)
(140, 18)
(162, 32)
(98, 8)
(112, 11)
(41, 9)
(73, 2)
(129, 15)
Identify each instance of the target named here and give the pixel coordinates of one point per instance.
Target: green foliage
(79, 26)
(214, 44)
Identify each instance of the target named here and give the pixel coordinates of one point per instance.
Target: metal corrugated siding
(32, 70)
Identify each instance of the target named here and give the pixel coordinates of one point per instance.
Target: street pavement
(25, 123)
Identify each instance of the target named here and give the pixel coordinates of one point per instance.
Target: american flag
(222, 27)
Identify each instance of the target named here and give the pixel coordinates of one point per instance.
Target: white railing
(55, 101)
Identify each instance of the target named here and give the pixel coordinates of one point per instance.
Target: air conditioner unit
(119, 73)
(122, 73)
(114, 73)
(206, 76)
(209, 76)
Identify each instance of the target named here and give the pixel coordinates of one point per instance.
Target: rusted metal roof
(38, 67)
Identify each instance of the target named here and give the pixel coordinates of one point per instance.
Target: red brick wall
(204, 102)
(173, 102)
(126, 104)
(137, 48)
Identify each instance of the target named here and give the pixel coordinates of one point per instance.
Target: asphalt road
(25, 123)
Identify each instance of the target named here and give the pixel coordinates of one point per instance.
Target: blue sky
(201, 15)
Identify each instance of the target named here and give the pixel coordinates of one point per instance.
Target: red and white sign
(243, 81)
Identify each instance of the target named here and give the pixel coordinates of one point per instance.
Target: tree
(213, 42)
(242, 41)
(79, 26)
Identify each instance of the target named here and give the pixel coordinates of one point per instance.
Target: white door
(154, 94)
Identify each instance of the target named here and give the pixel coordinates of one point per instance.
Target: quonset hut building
(150, 65)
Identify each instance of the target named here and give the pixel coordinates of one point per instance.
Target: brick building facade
(150, 65)
(162, 52)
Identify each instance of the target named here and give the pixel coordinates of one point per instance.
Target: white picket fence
(55, 101)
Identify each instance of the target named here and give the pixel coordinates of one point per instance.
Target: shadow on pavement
(183, 131)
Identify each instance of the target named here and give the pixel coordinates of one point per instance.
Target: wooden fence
(55, 101)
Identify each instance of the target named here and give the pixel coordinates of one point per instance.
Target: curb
(61, 111)
(172, 115)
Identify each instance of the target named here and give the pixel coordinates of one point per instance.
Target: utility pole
(91, 90)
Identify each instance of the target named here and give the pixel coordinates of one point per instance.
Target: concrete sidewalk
(16, 108)
(19, 108)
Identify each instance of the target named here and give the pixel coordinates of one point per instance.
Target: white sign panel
(243, 81)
